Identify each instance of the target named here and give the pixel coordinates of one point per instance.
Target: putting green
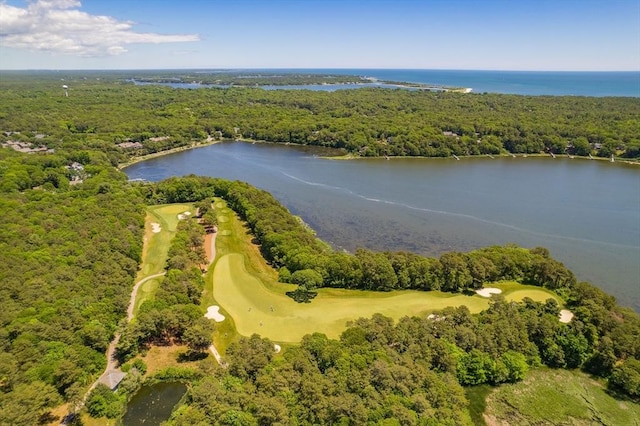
(514, 291)
(538, 295)
(255, 309)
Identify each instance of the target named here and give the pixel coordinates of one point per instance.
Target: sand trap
(435, 317)
(155, 227)
(276, 348)
(214, 314)
(488, 291)
(184, 215)
(566, 316)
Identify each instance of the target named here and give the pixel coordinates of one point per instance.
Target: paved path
(112, 371)
(217, 356)
(134, 293)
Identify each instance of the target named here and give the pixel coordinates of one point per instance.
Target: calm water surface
(152, 405)
(555, 83)
(586, 212)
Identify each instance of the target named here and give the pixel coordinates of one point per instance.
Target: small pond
(152, 405)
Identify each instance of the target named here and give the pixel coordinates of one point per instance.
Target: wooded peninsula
(73, 240)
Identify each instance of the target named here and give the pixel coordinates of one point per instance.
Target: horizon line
(311, 68)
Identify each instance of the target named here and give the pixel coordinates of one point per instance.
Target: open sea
(555, 83)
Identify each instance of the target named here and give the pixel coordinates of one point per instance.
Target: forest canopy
(365, 122)
(72, 238)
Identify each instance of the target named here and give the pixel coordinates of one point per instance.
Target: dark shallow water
(586, 212)
(152, 405)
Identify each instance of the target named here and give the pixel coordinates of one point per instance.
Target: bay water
(587, 213)
(552, 83)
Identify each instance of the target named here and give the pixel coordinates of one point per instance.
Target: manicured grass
(146, 292)
(246, 289)
(549, 396)
(515, 291)
(257, 309)
(156, 246)
(536, 294)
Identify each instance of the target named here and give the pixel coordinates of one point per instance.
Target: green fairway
(156, 244)
(246, 289)
(146, 292)
(270, 313)
(164, 220)
(549, 396)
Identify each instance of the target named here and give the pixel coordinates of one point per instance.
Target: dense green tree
(626, 377)
(198, 336)
(103, 402)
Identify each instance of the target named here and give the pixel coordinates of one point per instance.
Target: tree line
(173, 315)
(599, 339)
(69, 251)
(364, 122)
(301, 258)
(411, 372)
(68, 258)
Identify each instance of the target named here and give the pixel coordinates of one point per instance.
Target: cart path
(134, 293)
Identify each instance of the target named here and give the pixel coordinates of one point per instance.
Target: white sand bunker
(213, 312)
(276, 348)
(184, 215)
(488, 291)
(566, 316)
(155, 227)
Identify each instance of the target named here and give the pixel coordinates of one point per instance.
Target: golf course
(160, 227)
(247, 291)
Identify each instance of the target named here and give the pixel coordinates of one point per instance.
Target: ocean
(554, 83)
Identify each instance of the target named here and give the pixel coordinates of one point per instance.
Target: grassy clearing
(160, 357)
(477, 396)
(549, 396)
(246, 289)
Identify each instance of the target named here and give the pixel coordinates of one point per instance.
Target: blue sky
(422, 34)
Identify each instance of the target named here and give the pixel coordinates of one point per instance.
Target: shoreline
(633, 162)
(351, 156)
(145, 157)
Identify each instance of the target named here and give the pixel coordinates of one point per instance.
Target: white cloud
(58, 26)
